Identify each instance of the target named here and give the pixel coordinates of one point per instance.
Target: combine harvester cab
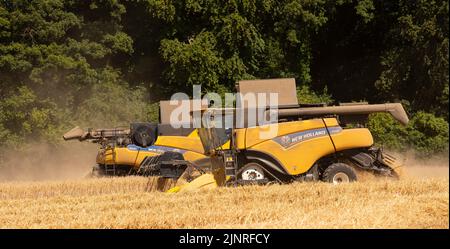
(312, 142)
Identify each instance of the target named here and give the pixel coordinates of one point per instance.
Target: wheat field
(412, 202)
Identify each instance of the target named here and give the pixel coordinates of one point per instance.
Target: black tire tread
(334, 168)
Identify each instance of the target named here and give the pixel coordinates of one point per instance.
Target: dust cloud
(40, 161)
(415, 166)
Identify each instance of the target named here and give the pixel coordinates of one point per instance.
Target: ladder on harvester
(110, 169)
(230, 165)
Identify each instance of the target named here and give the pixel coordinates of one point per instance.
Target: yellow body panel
(193, 156)
(190, 146)
(226, 145)
(180, 142)
(127, 156)
(122, 156)
(352, 138)
(252, 134)
(300, 157)
(240, 138)
(300, 144)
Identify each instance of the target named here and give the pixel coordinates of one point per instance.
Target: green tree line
(108, 62)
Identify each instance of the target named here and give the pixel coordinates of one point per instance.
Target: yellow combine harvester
(312, 142)
(124, 150)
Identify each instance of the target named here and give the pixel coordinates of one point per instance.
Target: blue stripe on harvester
(298, 137)
(154, 148)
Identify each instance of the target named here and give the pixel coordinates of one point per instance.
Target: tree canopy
(107, 62)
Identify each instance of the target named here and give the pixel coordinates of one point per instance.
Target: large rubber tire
(143, 134)
(260, 170)
(339, 173)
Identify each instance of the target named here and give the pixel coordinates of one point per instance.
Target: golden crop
(124, 203)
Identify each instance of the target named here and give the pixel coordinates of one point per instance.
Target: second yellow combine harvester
(312, 142)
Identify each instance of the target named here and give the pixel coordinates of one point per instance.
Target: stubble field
(416, 201)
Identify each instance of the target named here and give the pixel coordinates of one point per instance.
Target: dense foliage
(107, 62)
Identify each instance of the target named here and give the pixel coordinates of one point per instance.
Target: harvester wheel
(97, 172)
(339, 173)
(251, 172)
